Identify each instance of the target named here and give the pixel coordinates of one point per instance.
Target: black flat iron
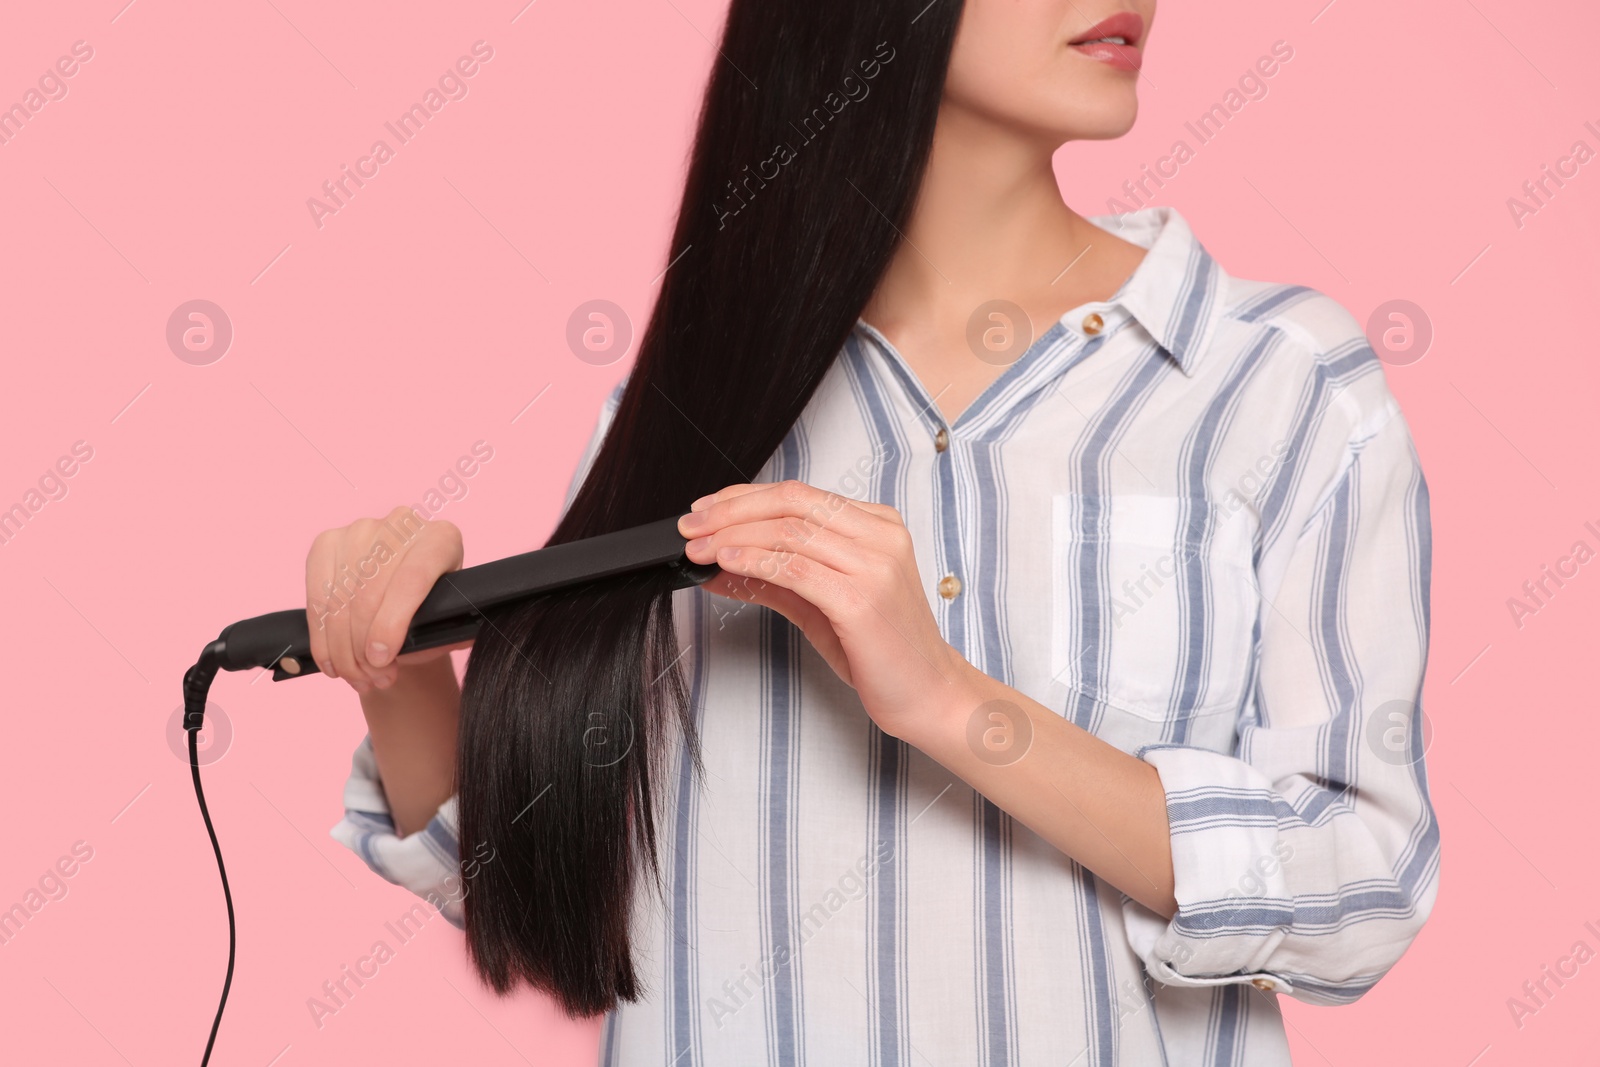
(452, 611)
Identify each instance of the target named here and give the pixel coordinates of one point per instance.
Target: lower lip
(1116, 56)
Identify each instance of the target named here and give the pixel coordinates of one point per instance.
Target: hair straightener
(451, 612)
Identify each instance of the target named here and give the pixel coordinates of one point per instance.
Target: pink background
(370, 354)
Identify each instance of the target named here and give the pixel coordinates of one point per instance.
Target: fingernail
(377, 653)
(692, 521)
(703, 503)
(697, 545)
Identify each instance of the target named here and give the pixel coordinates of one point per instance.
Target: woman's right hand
(364, 582)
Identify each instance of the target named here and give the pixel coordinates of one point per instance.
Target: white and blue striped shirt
(1198, 529)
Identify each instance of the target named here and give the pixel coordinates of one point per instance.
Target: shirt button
(941, 440)
(1093, 323)
(1263, 984)
(949, 586)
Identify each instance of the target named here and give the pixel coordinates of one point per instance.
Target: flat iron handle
(453, 608)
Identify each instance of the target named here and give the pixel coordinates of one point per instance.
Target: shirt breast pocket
(1153, 603)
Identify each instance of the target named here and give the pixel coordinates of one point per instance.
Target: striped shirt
(1195, 526)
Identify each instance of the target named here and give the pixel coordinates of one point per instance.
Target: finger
(791, 536)
(378, 559)
(786, 602)
(738, 488)
(881, 511)
(368, 576)
(744, 588)
(338, 628)
(806, 617)
(816, 583)
(775, 499)
(430, 556)
(319, 569)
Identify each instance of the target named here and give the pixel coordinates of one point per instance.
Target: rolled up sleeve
(1306, 860)
(429, 861)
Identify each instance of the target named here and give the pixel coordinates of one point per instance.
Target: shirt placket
(951, 471)
(957, 612)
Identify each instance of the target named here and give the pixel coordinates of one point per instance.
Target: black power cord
(452, 611)
(196, 684)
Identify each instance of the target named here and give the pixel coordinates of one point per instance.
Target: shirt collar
(1176, 292)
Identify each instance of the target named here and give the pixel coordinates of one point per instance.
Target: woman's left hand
(843, 572)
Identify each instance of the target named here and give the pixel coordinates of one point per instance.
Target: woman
(1057, 699)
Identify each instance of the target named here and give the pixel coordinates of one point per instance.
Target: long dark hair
(813, 137)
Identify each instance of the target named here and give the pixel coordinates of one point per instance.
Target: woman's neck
(989, 223)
